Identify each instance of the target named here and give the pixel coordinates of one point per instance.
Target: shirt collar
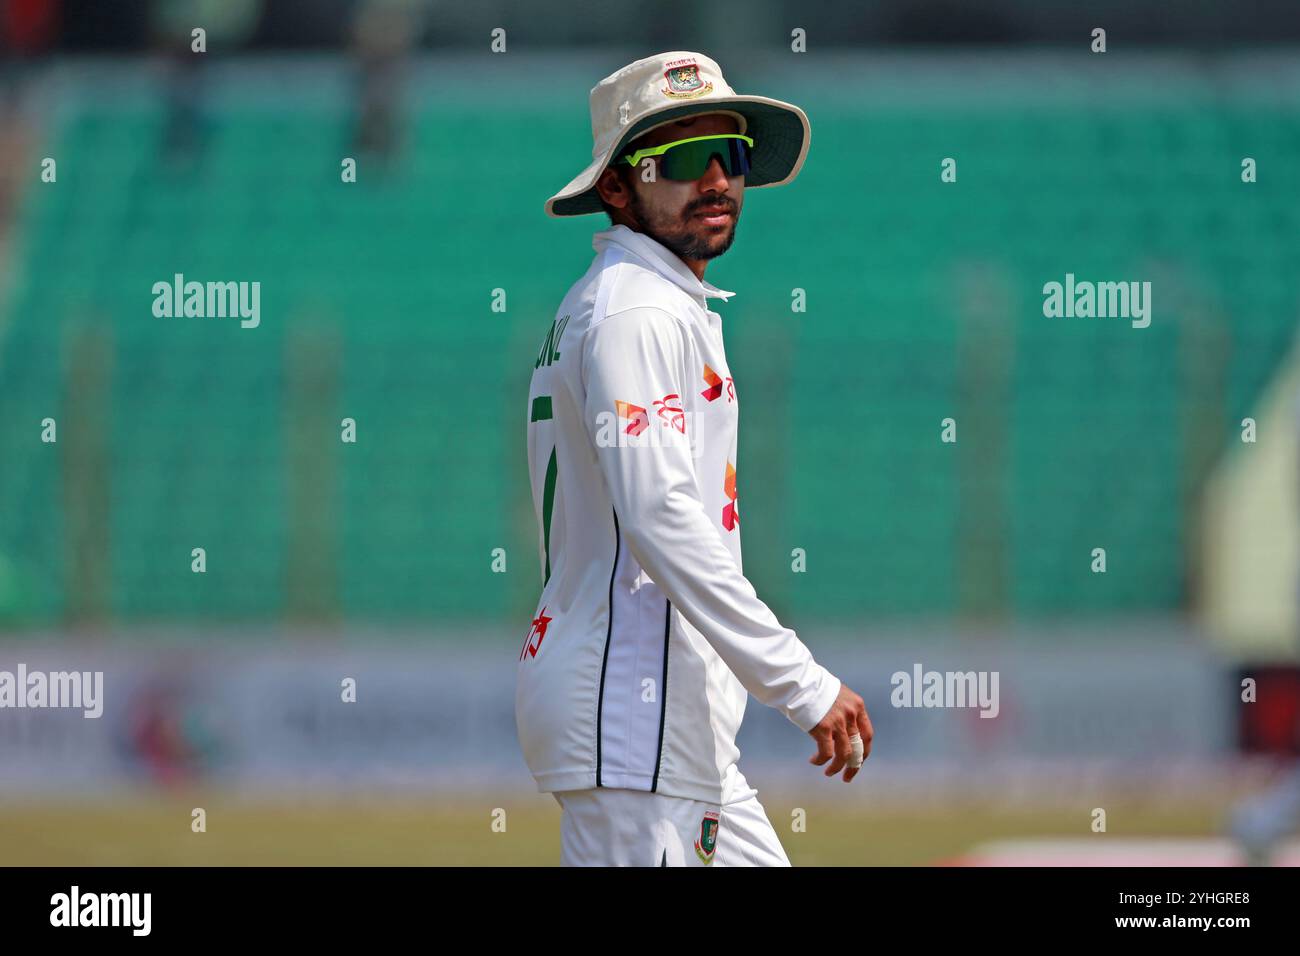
(662, 259)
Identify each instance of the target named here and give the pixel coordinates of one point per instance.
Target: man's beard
(684, 243)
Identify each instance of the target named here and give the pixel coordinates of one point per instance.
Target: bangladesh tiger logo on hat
(684, 80)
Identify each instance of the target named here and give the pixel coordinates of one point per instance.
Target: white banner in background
(282, 714)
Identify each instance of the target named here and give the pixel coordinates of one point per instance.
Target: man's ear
(612, 187)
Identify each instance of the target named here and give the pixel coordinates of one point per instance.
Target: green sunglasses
(688, 159)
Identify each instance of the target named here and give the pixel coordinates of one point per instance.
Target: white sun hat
(665, 87)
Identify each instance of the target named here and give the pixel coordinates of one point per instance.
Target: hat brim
(780, 132)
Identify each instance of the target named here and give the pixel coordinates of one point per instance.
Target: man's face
(696, 220)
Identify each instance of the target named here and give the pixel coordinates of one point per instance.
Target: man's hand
(847, 716)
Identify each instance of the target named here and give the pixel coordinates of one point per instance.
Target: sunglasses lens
(690, 161)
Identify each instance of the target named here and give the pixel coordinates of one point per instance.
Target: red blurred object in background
(29, 26)
(1271, 725)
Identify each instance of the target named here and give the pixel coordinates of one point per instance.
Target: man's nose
(715, 177)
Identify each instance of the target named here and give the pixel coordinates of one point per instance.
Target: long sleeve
(629, 360)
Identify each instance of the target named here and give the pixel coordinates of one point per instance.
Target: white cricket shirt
(647, 634)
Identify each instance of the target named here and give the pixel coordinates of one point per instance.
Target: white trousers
(610, 827)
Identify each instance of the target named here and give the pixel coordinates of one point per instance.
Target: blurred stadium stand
(924, 301)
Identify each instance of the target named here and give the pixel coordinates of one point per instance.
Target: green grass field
(155, 830)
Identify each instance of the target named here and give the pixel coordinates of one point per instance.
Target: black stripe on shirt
(663, 695)
(609, 628)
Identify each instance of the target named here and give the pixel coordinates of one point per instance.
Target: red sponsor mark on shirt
(716, 383)
(538, 631)
(670, 413)
(730, 517)
(638, 420)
